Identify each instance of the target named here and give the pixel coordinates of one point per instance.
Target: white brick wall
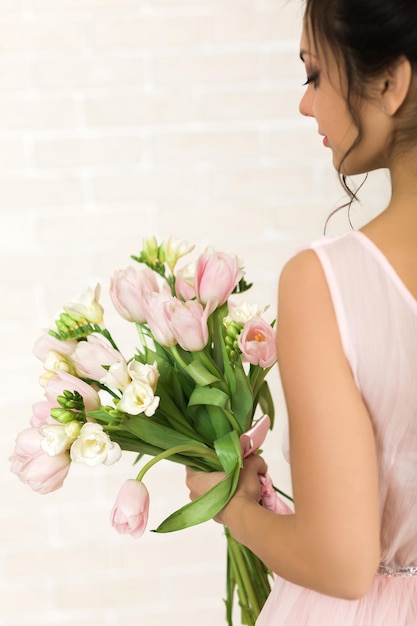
(120, 119)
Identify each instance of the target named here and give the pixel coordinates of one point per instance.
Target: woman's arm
(331, 543)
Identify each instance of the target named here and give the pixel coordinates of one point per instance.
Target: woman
(347, 348)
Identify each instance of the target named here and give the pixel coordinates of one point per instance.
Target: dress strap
(396, 572)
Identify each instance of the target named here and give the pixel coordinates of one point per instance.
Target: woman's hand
(248, 487)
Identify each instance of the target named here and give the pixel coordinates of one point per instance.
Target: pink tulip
(47, 343)
(157, 320)
(130, 288)
(188, 322)
(90, 356)
(66, 382)
(184, 282)
(28, 443)
(257, 342)
(43, 473)
(41, 413)
(217, 274)
(131, 509)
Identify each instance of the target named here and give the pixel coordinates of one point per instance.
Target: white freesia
(117, 376)
(45, 377)
(143, 372)
(55, 361)
(57, 438)
(139, 397)
(87, 307)
(93, 447)
(243, 313)
(174, 249)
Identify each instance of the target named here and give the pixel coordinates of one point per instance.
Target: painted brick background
(120, 119)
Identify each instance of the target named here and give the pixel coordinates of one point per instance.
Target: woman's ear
(396, 84)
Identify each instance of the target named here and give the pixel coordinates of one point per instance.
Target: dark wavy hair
(368, 37)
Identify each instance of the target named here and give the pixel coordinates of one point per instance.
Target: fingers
(255, 463)
(200, 482)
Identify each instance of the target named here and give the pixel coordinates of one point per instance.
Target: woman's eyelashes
(312, 78)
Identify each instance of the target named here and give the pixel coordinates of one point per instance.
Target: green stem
(200, 450)
(208, 362)
(178, 357)
(234, 424)
(282, 493)
(257, 377)
(243, 580)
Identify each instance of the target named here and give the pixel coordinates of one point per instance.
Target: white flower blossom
(57, 438)
(93, 446)
(138, 397)
(243, 313)
(87, 307)
(56, 361)
(143, 372)
(117, 376)
(174, 249)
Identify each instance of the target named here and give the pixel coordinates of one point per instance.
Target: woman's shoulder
(303, 270)
(313, 265)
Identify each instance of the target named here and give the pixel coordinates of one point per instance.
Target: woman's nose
(305, 106)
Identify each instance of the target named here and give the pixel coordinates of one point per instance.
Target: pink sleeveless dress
(377, 319)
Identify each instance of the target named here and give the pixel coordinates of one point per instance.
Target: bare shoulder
(304, 293)
(303, 271)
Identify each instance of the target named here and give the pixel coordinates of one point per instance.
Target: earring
(384, 107)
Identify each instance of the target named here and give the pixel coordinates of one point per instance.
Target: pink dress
(377, 318)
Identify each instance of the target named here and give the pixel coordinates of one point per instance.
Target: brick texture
(120, 119)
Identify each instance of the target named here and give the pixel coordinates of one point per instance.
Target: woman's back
(377, 317)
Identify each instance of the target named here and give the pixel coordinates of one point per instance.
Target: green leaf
(202, 423)
(242, 399)
(266, 401)
(209, 395)
(229, 451)
(219, 334)
(200, 374)
(148, 431)
(203, 508)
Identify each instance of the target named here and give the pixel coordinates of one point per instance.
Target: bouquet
(188, 394)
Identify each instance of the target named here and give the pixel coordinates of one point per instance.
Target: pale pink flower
(157, 320)
(217, 274)
(131, 509)
(28, 443)
(93, 447)
(257, 342)
(188, 322)
(41, 413)
(66, 382)
(184, 282)
(130, 288)
(43, 473)
(138, 397)
(47, 343)
(90, 356)
(86, 307)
